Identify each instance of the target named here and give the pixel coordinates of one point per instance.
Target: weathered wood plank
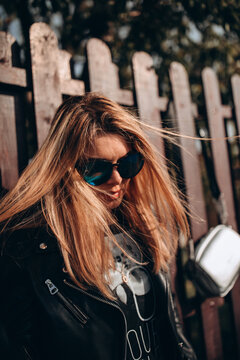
(191, 167)
(46, 79)
(235, 80)
(51, 76)
(192, 176)
(8, 143)
(9, 74)
(68, 85)
(103, 73)
(211, 328)
(216, 113)
(149, 107)
(147, 95)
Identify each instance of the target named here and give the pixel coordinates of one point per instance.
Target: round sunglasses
(97, 171)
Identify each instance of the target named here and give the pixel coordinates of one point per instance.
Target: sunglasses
(97, 171)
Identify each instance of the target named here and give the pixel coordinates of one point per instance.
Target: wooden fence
(50, 78)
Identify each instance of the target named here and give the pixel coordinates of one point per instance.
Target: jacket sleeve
(16, 304)
(186, 350)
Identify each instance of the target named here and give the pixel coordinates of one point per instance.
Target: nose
(115, 177)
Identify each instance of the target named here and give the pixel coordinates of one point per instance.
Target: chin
(114, 204)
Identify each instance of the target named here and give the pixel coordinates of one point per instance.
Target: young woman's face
(111, 147)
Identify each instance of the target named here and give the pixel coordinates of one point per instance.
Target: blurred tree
(197, 33)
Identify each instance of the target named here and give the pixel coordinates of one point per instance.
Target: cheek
(125, 184)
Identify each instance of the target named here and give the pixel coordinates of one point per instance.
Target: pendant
(124, 279)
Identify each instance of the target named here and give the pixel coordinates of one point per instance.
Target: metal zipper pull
(69, 305)
(51, 287)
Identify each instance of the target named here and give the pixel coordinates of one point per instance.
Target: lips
(114, 195)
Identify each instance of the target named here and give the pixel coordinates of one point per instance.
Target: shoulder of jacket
(22, 243)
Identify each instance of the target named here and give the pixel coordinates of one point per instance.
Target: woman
(87, 236)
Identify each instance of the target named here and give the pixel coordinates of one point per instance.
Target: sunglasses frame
(109, 168)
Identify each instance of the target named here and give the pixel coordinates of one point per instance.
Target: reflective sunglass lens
(130, 165)
(97, 172)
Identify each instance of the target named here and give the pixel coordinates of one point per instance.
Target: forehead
(109, 146)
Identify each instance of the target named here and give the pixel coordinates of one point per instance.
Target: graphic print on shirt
(133, 286)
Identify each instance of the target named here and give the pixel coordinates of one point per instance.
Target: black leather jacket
(44, 315)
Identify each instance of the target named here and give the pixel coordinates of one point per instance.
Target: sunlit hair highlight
(50, 191)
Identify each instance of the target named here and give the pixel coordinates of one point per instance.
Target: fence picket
(103, 73)
(211, 329)
(68, 85)
(8, 143)
(216, 113)
(191, 168)
(9, 74)
(192, 177)
(51, 76)
(46, 79)
(148, 100)
(15, 76)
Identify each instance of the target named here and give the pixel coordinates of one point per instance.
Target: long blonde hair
(51, 189)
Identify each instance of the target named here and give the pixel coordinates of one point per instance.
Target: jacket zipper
(106, 302)
(74, 310)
